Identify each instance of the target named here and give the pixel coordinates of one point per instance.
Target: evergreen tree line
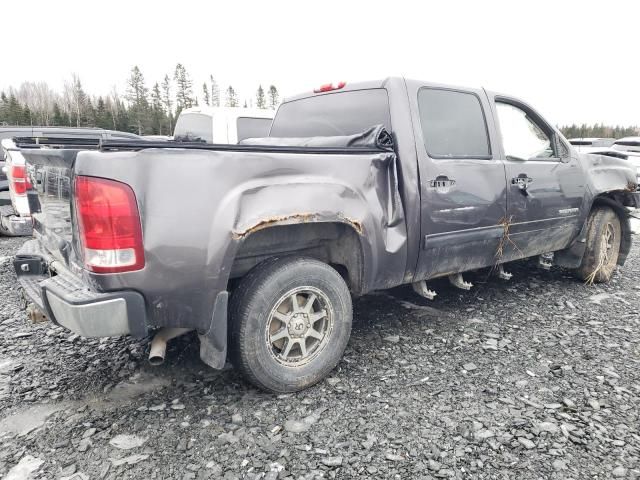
(598, 130)
(141, 110)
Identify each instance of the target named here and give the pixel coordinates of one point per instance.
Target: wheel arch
(338, 242)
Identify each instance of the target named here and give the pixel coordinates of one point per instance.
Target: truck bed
(200, 209)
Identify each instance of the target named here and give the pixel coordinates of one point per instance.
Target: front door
(545, 185)
(462, 182)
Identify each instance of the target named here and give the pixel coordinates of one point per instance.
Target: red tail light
(19, 180)
(328, 87)
(109, 225)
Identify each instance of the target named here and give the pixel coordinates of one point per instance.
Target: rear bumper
(71, 303)
(12, 224)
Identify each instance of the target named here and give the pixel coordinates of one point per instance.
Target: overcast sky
(575, 61)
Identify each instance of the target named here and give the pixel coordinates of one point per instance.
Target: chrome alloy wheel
(299, 326)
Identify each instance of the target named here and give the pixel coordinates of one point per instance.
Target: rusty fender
(292, 219)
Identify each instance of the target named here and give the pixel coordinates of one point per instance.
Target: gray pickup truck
(259, 247)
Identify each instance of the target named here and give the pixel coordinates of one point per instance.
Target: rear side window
(453, 124)
(340, 113)
(253, 127)
(194, 126)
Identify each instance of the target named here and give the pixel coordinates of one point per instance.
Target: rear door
(462, 181)
(545, 184)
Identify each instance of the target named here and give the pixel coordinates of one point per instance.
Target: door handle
(442, 181)
(522, 181)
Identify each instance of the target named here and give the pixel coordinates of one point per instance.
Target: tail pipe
(159, 343)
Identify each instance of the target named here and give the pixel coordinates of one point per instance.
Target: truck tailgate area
(68, 301)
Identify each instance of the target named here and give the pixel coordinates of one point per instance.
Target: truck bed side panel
(197, 208)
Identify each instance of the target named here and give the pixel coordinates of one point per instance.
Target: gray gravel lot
(534, 378)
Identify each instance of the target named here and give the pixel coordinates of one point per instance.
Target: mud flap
(213, 343)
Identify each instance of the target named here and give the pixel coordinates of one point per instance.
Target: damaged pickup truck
(259, 247)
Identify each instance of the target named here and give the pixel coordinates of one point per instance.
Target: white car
(627, 144)
(226, 125)
(627, 148)
(589, 145)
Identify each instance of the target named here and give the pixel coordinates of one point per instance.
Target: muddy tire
(290, 323)
(604, 236)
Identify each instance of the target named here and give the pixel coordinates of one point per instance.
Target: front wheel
(604, 235)
(290, 323)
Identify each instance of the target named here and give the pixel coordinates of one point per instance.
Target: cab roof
(350, 86)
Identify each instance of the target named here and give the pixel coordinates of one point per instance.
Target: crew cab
(15, 219)
(260, 247)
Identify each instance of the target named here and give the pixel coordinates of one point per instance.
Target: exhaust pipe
(159, 343)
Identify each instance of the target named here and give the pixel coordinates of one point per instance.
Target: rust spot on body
(276, 220)
(295, 218)
(354, 223)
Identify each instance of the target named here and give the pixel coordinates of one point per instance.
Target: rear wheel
(290, 323)
(604, 235)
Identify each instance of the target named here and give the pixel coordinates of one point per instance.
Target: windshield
(194, 127)
(340, 113)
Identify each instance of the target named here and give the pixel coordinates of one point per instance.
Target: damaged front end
(611, 182)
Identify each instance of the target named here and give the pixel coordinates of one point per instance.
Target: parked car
(222, 124)
(259, 247)
(15, 219)
(627, 148)
(587, 145)
(627, 144)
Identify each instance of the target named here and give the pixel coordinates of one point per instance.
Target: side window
(522, 137)
(453, 124)
(249, 127)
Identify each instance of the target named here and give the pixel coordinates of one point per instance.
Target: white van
(222, 124)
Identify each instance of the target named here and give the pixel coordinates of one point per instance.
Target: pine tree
(184, 92)
(89, 119)
(14, 111)
(26, 118)
(167, 102)
(103, 119)
(232, 98)
(274, 98)
(57, 119)
(215, 92)
(4, 109)
(136, 95)
(261, 101)
(205, 94)
(156, 109)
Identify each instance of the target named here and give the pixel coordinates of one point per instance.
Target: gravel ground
(532, 378)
